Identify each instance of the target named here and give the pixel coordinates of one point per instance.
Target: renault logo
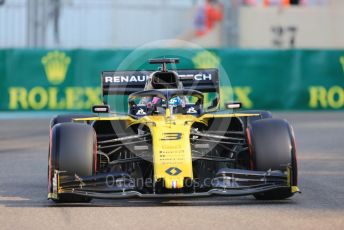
(173, 171)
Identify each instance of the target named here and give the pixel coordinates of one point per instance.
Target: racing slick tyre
(272, 146)
(72, 149)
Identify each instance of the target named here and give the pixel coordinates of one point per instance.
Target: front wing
(228, 182)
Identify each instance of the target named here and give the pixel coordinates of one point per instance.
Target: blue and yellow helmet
(176, 101)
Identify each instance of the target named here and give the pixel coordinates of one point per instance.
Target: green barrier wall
(261, 79)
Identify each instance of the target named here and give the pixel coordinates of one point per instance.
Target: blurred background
(131, 23)
(278, 54)
(281, 55)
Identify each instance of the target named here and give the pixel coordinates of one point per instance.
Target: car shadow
(137, 202)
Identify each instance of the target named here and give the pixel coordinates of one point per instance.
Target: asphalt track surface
(320, 141)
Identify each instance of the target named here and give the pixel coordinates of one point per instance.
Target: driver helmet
(176, 101)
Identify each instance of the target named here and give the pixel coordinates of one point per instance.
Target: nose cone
(172, 152)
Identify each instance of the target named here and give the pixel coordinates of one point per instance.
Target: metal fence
(91, 23)
(13, 23)
(131, 23)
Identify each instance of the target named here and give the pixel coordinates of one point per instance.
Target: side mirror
(233, 105)
(101, 109)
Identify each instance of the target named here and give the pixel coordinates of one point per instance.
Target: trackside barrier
(260, 79)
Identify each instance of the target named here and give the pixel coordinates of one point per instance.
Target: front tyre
(272, 146)
(72, 149)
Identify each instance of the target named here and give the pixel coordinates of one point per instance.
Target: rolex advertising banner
(70, 80)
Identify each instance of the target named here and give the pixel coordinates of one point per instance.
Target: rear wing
(127, 82)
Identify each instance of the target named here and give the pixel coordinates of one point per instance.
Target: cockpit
(155, 102)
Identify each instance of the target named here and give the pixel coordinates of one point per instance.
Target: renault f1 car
(169, 144)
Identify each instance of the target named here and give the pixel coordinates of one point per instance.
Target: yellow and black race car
(169, 144)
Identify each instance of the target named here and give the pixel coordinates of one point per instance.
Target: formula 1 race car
(169, 144)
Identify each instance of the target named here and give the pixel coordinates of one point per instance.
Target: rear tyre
(273, 148)
(72, 149)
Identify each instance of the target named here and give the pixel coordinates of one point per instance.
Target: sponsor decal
(191, 110)
(56, 66)
(70, 98)
(324, 98)
(142, 78)
(197, 77)
(171, 136)
(206, 59)
(141, 112)
(122, 79)
(173, 171)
